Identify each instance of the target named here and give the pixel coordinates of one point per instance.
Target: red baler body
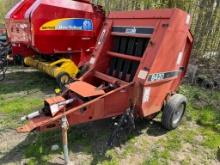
(49, 27)
(140, 58)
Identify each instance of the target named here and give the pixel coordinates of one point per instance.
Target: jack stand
(65, 127)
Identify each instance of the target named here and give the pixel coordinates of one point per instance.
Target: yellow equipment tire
(63, 79)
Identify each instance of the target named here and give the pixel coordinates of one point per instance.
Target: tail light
(19, 32)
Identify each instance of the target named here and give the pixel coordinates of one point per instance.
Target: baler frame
(143, 77)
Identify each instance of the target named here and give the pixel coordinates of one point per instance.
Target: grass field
(196, 141)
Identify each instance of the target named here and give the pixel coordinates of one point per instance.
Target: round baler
(53, 30)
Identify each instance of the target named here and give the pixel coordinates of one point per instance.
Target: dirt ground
(194, 142)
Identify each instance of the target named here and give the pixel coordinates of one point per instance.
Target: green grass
(20, 105)
(212, 139)
(16, 108)
(161, 152)
(134, 145)
(158, 157)
(22, 93)
(203, 106)
(26, 82)
(40, 150)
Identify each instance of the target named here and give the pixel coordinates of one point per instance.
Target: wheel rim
(178, 114)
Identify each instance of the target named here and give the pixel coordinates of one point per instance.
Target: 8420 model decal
(157, 76)
(163, 76)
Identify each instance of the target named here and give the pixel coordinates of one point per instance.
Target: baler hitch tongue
(24, 129)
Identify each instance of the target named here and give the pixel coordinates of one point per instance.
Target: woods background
(205, 26)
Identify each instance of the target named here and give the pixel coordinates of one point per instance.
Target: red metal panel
(147, 14)
(32, 15)
(84, 89)
(54, 100)
(174, 38)
(18, 11)
(50, 42)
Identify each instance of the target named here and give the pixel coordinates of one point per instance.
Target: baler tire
(59, 79)
(82, 70)
(173, 111)
(23, 63)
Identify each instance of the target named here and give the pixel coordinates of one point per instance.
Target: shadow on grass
(90, 138)
(27, 81)
(155, 129)
(16, 154)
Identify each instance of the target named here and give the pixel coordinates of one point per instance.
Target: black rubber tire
(173, 107)
(19, 60)
(2, 73)
(83, 70)
(59, 79)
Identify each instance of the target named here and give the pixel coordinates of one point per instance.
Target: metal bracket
(126, 121)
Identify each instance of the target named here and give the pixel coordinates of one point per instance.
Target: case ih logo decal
(163, 76)
(138, 30)
(131, 30)
(68, 24)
